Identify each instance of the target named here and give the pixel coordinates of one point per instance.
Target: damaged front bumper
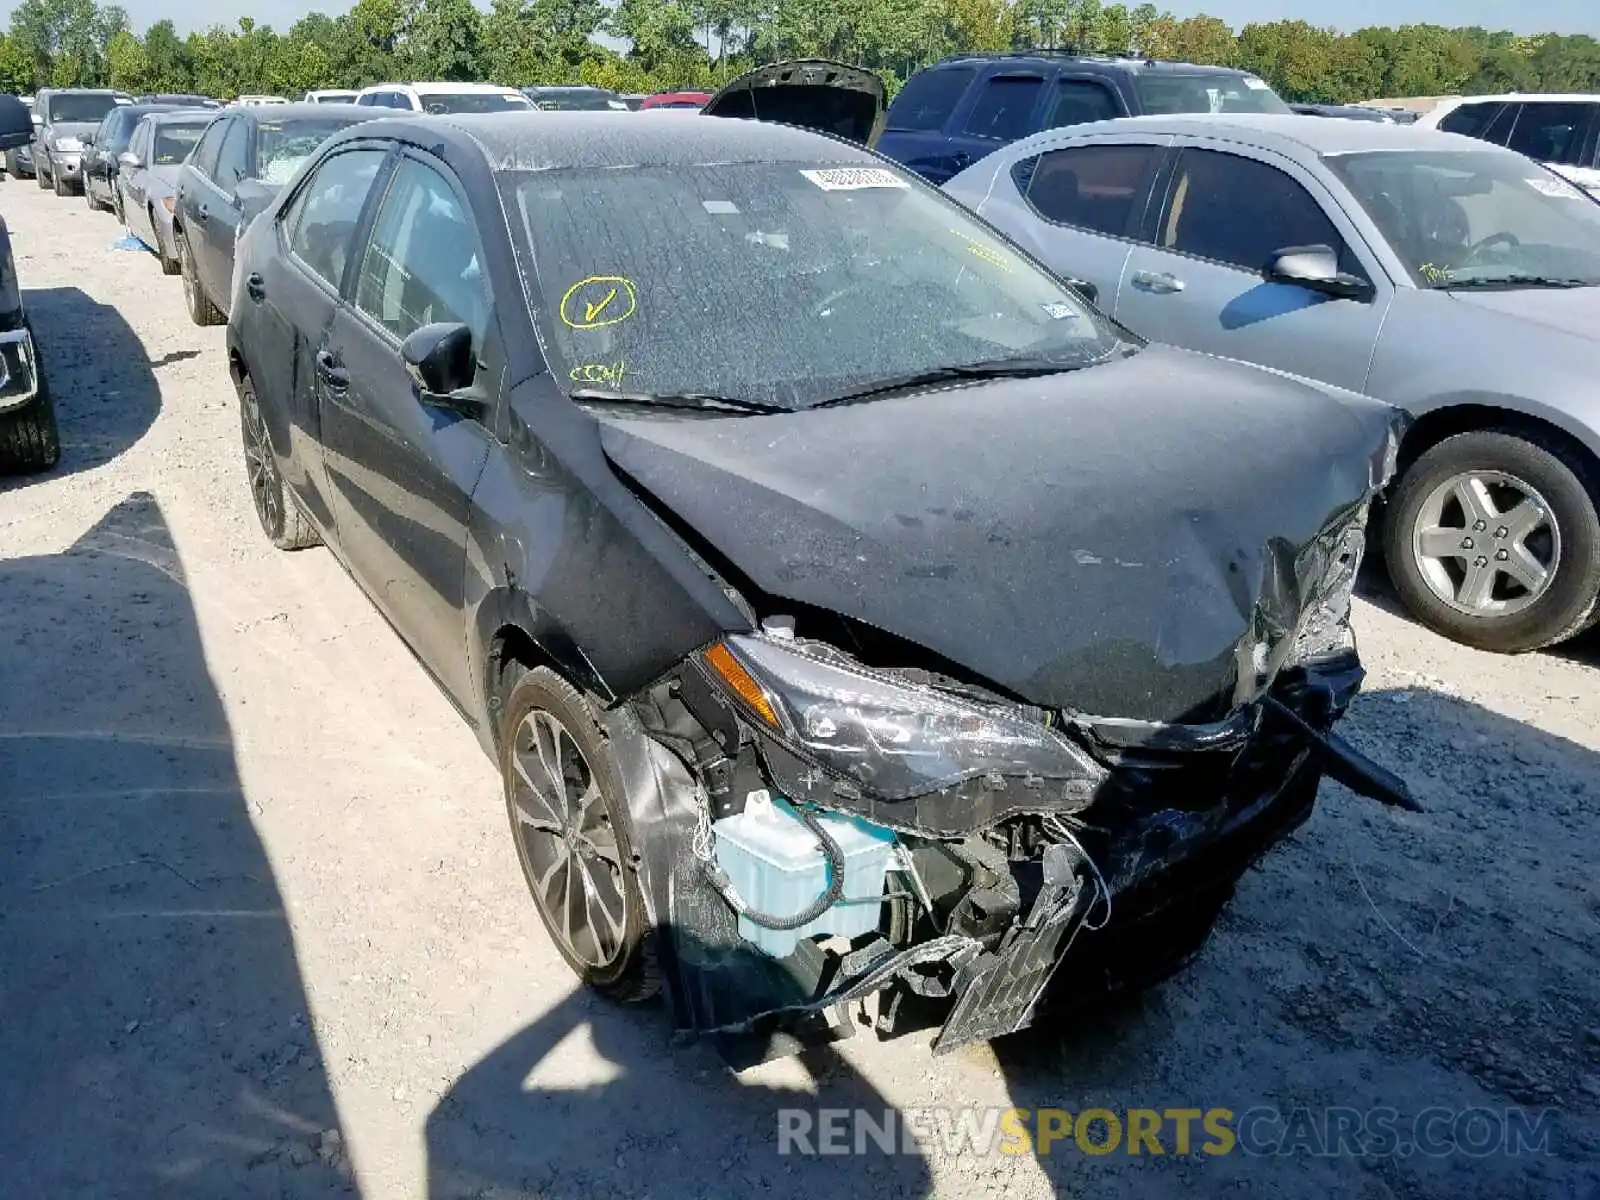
(1003, 898)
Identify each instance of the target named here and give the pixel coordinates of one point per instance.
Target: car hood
(1569, 310)
(1138, 539)
(77, 129)
(829, 97)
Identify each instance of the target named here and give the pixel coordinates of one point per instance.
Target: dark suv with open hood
(849, 606)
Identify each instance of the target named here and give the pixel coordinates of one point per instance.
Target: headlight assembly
(895, 738)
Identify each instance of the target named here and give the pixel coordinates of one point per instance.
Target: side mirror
(37, 120)
(1085, 289)
(1315, 268)
(441, 364)
(129, 161)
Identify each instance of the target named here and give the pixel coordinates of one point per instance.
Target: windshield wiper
(1513, 281)
(697, 401)
(993, 368)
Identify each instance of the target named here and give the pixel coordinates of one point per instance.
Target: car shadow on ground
(156, 1038)
(1376, 958)
(101, 381)
(673, 1123)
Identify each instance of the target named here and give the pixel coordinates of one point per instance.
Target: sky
(1525, 16)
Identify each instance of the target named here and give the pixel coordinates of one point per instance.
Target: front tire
(29, 439)
(201, 310)
(285, 525)
(59, 184)
(1492, 539)
(39, 165)
(570, 824)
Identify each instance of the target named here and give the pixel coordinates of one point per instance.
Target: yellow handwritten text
(612, 373)
(598, 301)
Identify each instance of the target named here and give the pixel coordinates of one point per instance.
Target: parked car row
(852, 599)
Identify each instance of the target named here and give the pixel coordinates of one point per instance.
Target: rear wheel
(285, 525)
(116, 205)
(568, 818)
(201, 310)
(29, 439)
(1492, 539)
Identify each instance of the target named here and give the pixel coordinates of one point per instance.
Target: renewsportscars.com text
(1317, 1133)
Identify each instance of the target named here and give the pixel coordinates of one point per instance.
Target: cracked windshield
(782, 284)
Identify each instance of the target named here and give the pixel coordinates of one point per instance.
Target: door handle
(1162, 282)
(255, 285)
(333, 376)
(202, 214)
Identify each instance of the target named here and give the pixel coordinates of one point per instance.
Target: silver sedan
(1458, 280)
(146, 179)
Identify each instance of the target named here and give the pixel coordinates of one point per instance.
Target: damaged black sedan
(851, 608)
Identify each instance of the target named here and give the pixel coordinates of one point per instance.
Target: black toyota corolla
(850, 607)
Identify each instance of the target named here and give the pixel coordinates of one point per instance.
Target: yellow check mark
(591, 311)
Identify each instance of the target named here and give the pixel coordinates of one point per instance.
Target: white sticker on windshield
(1555, 187)
(720, 208)
(849, 179)
(1058, 311)
(1256, 85)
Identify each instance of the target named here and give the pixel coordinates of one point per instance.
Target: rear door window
(1554, 131)
(1004, 109)
(928, 99)
(1240, 211)
(1471, 120)
(1079, 101)
(1103, 189)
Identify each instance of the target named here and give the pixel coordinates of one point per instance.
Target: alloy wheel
(1486, 543)
(568, 845)
(266, 490)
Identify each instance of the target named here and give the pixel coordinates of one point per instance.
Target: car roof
(535, 141)
(183, 116)
(434, 87)
(1285, 132)
(1123, 62)
(1526, 98)
(296, 109)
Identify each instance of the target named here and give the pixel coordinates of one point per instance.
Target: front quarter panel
(1434, 353)
(562, 550)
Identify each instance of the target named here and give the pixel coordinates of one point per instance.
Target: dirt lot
(262, 930)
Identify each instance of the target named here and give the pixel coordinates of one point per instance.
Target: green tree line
(698, 43)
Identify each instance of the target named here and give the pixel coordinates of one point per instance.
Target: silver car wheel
(1486, 543)
(573, 859)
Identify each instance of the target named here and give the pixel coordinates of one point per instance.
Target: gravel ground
(262, 930)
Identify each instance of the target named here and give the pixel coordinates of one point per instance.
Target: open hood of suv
(812, 93)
